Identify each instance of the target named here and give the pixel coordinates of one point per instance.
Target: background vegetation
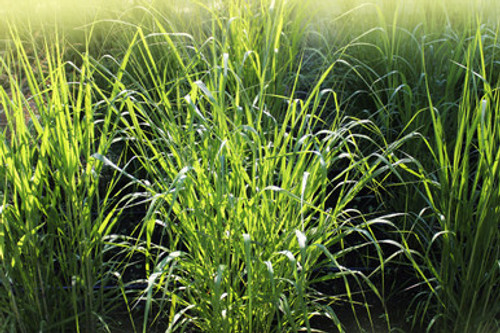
(250, 166)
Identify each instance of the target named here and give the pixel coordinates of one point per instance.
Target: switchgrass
(54, 212)
(242, 217)
(462, 254)
(439, 77)
(249, 189)
(272, 149)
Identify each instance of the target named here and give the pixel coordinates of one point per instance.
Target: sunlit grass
(54, 213)
(287, 160)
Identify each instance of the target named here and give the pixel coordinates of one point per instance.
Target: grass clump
(462, 253)
(244, 211)
(54, 212)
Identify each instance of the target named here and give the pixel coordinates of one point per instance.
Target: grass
(466, 205)
(254, 166)
(54, 213)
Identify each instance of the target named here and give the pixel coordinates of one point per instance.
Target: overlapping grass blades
(445, 75)
(243, 200)
(54, 213)
(235, 127)
(462, 255)
(240, 195)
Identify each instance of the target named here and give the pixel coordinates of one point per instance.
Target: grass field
(250, 166)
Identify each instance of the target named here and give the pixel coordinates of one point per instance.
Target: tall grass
(249, 189)
(462, 255)
(54, 212)
(271, 149)
(439, 79)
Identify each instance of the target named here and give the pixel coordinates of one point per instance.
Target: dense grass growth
(250, 166)
(54, 213)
